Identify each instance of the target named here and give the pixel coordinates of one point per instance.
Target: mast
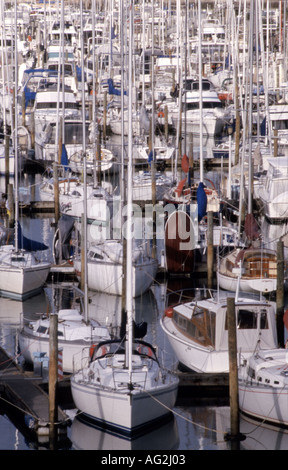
(84, 225)
(16, 133)
(200, 89)
(129, 279)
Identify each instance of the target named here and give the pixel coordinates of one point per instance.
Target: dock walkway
(23, 392)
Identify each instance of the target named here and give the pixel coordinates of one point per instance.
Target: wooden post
(32, 133)
(53, 375)
(280, 294)
(235, 436)
(166, 122)
(56, 192)
(210, 250)
(10, 205)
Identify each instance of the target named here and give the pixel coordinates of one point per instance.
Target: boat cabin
(205, 323)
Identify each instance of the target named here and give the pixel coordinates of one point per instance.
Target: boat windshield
(200, 327)
(112, 348)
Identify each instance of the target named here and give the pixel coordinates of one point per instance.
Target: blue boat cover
(201, 201)
(27, 244)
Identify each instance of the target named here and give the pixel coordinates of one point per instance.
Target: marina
(143, 225)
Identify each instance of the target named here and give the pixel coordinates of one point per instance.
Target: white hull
(273, 190)
(246, 285)
(108, 277)
(252, 270)
(198, 334)
(212, 124)
(263, 387)
(264, 404)
(142, 187)
(72, 352)
(126, 411)
(276, 210)
(75, 337)
(195, 357)
(20, 280)
(126, 399)
(99, 204)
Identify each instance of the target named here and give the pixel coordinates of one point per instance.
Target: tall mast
(16, 133)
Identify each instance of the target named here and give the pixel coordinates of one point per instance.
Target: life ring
(161, 114)
(145, 350)
(101, 351)
(91, 350)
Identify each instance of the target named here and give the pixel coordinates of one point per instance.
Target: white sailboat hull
(126, 411)
(246, 285)
(212, 124)
(21, 280)
(264, 403)
(72, 352)
(263, 387)
(75, 337)
(257, 272)
(107, 276)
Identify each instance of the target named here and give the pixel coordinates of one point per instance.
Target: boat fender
(169, 312)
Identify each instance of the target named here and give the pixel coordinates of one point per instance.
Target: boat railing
(138, 378)
(81, 359)
(188, 294)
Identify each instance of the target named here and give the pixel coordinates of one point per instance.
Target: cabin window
(53, 105)
(263, 320)
(246, 319)
(206, 105)
(251, 372)
(93, 255)
(18, 258)
(42, 330)
(201, 326)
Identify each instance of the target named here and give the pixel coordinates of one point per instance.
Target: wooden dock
(22, 393)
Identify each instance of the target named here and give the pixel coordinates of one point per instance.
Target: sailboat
(124, 387)
(252, 268)
(105, 264)
(22, 273)
(75, 334)
(263, 387)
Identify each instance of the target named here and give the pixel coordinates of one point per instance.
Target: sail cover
(27, 244)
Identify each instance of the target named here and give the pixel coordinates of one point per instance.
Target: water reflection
(88, 437)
